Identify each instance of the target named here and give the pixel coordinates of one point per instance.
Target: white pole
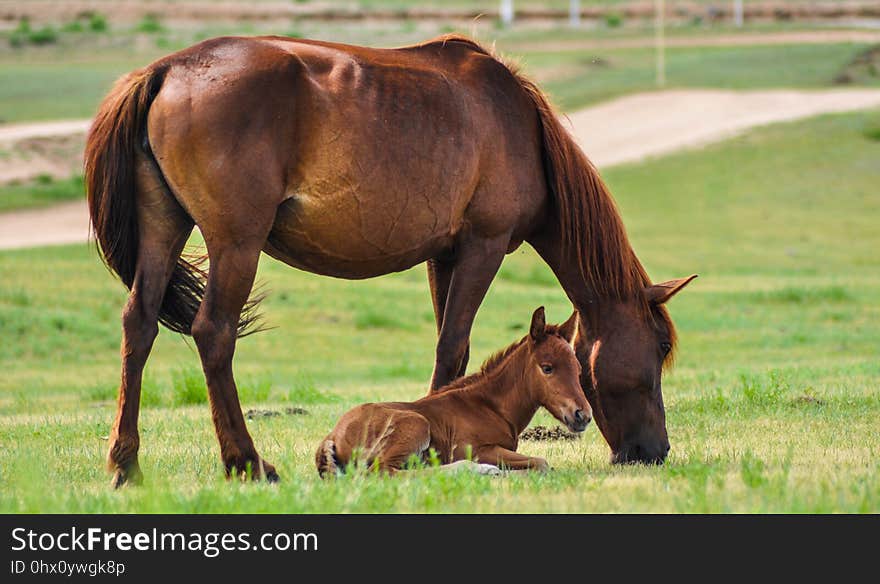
(738, 12)
(506, 12)
(660, 41)
(574, 12)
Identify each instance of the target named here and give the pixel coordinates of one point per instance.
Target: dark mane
(589, 221)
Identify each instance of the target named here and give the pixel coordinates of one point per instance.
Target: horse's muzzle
(640, 453)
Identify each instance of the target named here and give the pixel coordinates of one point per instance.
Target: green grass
(772, 406)
(46, 85)
(41, 192)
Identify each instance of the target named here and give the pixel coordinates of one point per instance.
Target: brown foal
(479, 417)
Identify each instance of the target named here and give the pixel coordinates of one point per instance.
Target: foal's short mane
(493, 362)
(589, 221)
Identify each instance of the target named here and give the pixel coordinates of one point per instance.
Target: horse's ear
(662, 292)
(538, 330)
(568, 329)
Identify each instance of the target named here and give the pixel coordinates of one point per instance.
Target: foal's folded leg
(510, 460)
(408, 434)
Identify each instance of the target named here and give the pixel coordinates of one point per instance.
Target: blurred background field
(773, 403)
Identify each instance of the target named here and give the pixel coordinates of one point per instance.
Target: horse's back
(375, 159)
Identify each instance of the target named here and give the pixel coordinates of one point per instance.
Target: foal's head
(553, 373)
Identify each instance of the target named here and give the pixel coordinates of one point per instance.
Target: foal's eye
(547, 369)
(666, 347)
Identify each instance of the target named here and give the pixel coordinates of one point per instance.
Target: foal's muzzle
(579, 421)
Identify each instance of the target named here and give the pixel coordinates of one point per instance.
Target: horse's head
(553, 374)
(623, 347)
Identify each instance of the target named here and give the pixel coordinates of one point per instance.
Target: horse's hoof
(130, 475)
(272, 476)
(254, 471)
(266, 471)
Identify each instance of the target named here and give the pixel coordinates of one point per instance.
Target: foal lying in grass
(478, 417)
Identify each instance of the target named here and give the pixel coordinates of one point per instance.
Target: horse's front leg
(476, 263)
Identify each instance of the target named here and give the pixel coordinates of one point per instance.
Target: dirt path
(750, 39)
(637, 126)
(624, 130)
(16, 132)
(56, 225)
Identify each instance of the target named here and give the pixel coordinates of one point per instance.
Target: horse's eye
(547, 369)
(666, 347)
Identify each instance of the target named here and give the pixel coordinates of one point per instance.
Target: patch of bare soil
(864, 68)
(544, 434)
(43, 148)
(293, 411)
(809, 400)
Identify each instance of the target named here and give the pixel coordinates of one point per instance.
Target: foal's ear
(660, 293)
(538, 330)
(568, 329)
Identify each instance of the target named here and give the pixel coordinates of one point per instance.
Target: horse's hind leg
(163, 229)
(233, 266)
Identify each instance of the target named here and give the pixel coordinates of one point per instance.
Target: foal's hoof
(488, 469)
(128, 475)
(472, 467)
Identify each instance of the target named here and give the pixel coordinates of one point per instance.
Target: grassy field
(772, 406)
(41, 192)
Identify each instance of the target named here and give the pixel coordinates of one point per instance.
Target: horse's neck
(506, 393)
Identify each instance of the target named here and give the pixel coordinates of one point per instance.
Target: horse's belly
(347, 235)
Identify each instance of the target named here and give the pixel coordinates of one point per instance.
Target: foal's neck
(506, 391)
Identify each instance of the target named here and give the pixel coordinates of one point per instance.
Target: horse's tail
(589, 222)
(117, 136)
(326, 461)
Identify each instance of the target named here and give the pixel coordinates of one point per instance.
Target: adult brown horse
(355, 162)
(478, 417)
